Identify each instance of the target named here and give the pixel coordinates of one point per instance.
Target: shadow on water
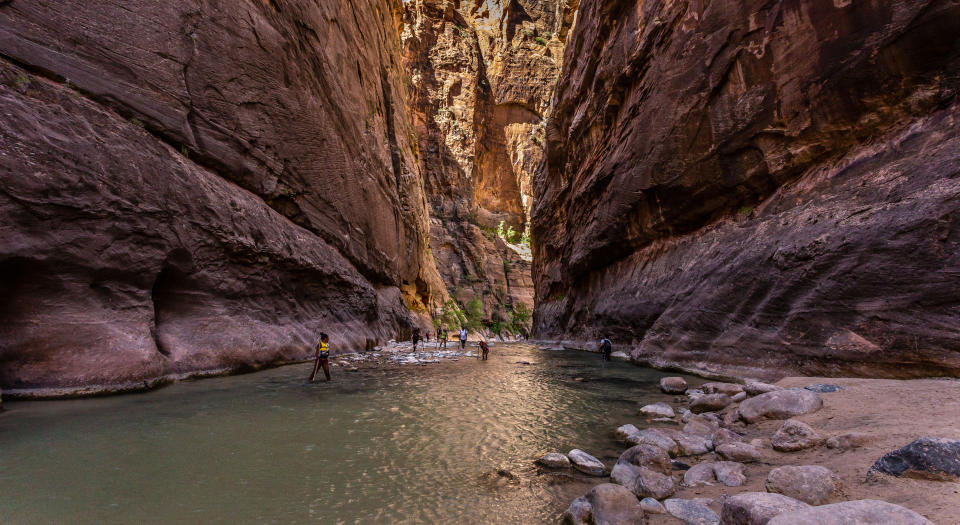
(445, 443)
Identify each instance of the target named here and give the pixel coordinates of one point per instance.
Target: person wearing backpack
(606, 348)
(322, 357)
(463, 338)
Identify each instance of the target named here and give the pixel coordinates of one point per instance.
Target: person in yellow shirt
(323, 357)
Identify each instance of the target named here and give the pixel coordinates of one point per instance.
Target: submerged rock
(780, 404)
(794, 435)
(925, 458)
(859, 512)
(811, 484)
(554, 460)
(757, 508)
(586, 463)
(691, 512)
(823, 388)
(673, 385)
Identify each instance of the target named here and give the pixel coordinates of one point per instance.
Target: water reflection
(451, 442)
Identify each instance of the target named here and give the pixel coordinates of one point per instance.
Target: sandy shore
(893, 413)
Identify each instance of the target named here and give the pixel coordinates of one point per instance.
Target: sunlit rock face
(203, 185)
(482, 74)
(757, 185)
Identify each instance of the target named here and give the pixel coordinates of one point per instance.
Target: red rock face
(757, 185)
(191, 186)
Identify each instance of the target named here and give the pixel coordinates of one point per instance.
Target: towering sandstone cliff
(757, 183)
(483, 74)
(191, 186)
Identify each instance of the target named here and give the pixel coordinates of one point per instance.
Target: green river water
(452, 442)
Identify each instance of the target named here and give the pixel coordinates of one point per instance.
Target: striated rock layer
(766, 187)
(205, 186)
(482, 76)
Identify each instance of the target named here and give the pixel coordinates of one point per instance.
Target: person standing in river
(442, 337)
(463, 338)
(416, 338)
(322, 357)
(606, 348)
(484, 350)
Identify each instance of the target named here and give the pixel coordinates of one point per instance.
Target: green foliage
(451, 316)
(507, 233)
(137, 122)
(519, 319)
(184, 151)
(527, 33)
(745, 210)
(22, 82)
(541, 41)
(547, 35)
(474, 314)
(536, 140)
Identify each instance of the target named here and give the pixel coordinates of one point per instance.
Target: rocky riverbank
(802, 450)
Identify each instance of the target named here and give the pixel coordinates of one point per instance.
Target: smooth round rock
(756, 508)
(794, 435)
(729, 473)
(554, 460)
(652, 506)
(848, 441)
(625, 431)
(723, 435)
(739, 452)
(650, 456)
(710, 403)
(658, 410)
(605, 504)
(642, 481)
(701, 425)
(859, 512)
(586, 463)
(811, 484)
(700, 474)
(656, 438)
(689, 444)
(691, 512)
(729, 389)
(673, 385)
(755, 388)
(780, 404)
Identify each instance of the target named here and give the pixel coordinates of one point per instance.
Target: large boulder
(586, 463)
(780, 404)
(925, 458)
(709, 403)
(794, 435)
(691, 512)
(859, 512)
(605, 504)
(673, 385)
(811, 484)
(757, 508)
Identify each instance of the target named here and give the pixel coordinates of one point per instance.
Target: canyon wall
(759, 187)
(198, 186)
(482, 76)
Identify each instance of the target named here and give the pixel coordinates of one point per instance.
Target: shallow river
(452, 442)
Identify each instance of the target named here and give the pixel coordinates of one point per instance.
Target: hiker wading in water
(322, 357)
(484, 350)
(463, 338)
(606, 348)
(416, 338)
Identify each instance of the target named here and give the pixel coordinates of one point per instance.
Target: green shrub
(540, 41)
